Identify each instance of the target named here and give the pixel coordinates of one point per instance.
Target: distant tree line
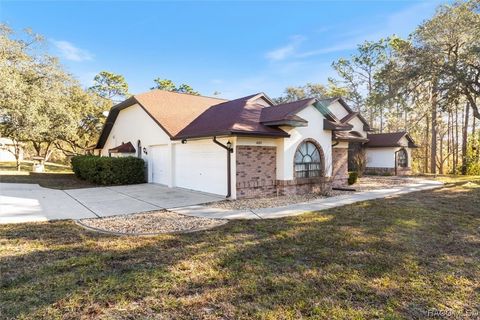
(44, 108)
(427, 84)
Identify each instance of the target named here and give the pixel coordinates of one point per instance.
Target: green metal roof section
(323, 108)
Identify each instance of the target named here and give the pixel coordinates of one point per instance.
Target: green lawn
(386, 259)
(26, 166)
(55, 176)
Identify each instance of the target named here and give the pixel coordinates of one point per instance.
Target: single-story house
(389, 153)
(7, 150)
(384, 153)
(245, 147)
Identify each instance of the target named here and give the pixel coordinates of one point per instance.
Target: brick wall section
(303, 186)
(388, 171)
(256, 171)
(340, 167)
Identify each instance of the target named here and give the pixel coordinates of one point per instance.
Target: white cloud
(70, 52)
(286, 51)
(401, 23)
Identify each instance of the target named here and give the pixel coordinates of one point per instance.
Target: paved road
(29, 202)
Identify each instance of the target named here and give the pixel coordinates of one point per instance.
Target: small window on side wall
(308, 163)
(139, 149)
(402, 160)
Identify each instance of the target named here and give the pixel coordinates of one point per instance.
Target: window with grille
(402, 158)
(308, 163)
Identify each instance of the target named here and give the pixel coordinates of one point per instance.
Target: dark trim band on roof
(336, 126)
(233, 133)
(350, 136)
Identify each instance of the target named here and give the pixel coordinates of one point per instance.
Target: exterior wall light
(184, 141)
(145, 150)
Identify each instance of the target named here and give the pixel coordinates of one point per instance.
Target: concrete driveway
(30, 202)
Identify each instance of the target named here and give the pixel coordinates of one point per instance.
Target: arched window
(308, 161)
(402, 158)
(139, 149)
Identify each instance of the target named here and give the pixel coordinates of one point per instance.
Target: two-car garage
(198, 165)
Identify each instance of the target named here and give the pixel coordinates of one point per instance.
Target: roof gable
(172, 111)
(351, 113)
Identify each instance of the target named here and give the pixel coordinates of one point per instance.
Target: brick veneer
(256, 171)
(303, 186)
(256, 175)
(340, 167)
(388, 171)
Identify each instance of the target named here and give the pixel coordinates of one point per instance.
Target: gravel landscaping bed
(257, 203)
(149, 223)
(364, 184)
(367, 183)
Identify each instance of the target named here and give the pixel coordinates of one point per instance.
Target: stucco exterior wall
(358, 126)
(133, 124)
(286, 147)
(381, 157)
(338, 110)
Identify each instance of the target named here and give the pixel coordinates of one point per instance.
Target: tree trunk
(455, 158)
(474, 138)
(17, 160)
(477, 139)
(433, 144)
(426, 145)
(449, 149)
(441, 154)
(465, 140)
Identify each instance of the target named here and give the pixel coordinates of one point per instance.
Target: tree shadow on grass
(395, 257)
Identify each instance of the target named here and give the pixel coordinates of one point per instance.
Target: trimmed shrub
(352, 177)
(109, 170)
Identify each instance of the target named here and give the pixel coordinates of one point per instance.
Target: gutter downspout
(229, 167)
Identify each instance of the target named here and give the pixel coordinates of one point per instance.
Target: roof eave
(290, 123)
(363, 140)
(329, 125)
(231, 133)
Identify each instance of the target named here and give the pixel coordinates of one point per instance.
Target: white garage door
(159, 164)
(202, 166)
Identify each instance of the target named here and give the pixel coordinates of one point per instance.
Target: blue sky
(236, 48)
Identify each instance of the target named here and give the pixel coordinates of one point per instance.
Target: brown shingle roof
(239, 116)
(174, 110)
(285, 111)
(123, 148)
(392, 139)
(170, 110)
